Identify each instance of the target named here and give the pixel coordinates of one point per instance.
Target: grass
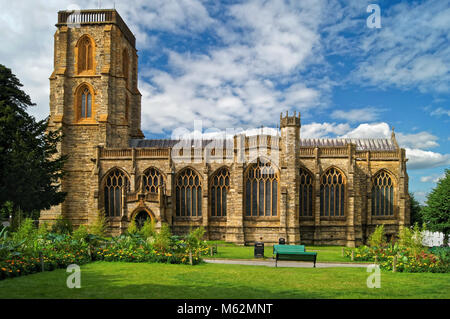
(131, 280)
(324, 253)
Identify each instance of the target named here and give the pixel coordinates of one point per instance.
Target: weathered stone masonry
(342, 175)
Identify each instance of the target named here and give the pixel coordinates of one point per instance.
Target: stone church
(241, 189)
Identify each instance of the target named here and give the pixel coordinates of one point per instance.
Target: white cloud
(432, 178)
(265, 44)
(367, 114)
(320, 130)
(422, 140)
(30, 57)
(410, 50)
(418, 159)
(440, 111)
(366, 130)
(182, 16)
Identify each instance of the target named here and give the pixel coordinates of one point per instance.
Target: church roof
(362, 144)
(166, 143)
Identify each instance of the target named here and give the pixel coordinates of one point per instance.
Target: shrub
(62, 226)
(61, 249)
(100, 225)
(163, 238)
(132, 228)
(194, 238)
(443, 253)
(17, 219)
(81, 233)
(43, 230)
(378, 239)
(8, 248)
(26, 231)
(412, 238)
(362, 253)
(148, 229)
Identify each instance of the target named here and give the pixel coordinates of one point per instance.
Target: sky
(238, 64)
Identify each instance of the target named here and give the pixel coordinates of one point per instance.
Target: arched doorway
(141, 217)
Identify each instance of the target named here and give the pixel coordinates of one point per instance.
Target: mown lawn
(324, 253)
(132, 280)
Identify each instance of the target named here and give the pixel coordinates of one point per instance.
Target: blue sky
(240, 63)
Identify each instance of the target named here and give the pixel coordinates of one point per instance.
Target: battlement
(96, 16)
(290, 120)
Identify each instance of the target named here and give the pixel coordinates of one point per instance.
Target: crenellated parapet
(287, 120)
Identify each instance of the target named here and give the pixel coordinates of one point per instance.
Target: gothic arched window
(332, 193)
(85, 58)
(220, 185)
(116, 185)
(152, 180)
(84, 102)
(188, 190)
(261, 190)
(382, 195)
(306, 203)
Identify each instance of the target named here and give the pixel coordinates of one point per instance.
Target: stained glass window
(261, 190)
(332, 193)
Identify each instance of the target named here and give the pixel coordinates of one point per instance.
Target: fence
(431, 239)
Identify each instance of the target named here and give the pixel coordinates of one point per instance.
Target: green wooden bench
(293, 252)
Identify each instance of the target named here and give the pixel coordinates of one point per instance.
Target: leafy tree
(415, 208)
(30, 167)
(436, 213)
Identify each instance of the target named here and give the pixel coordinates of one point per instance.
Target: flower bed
(24, 254)
(53, 259)
(143, 254)
(406, 259)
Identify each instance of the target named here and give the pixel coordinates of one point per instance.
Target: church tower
(94, 100)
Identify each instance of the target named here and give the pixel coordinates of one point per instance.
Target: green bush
(132, 228)
(362, 253)
(81, 233)
(20, 252)
(412, 238)
(148, 229)
(194, 238)
(377, 238)
(17, 218)
(8, 248)
(62, 226)
(100, 225)
(443, 253)
(43, 230)
(163, 238)
(26, 232)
